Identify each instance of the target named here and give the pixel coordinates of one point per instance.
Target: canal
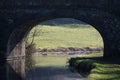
(52, 67)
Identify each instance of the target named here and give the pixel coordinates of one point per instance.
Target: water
(52, 69)
(53, 73)
(13, 70)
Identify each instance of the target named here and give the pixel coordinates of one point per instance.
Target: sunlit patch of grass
(101, 71)
(104, 71)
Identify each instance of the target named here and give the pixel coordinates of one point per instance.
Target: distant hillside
(62, 21)
(65, 36)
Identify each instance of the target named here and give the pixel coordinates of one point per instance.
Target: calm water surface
(51, 71)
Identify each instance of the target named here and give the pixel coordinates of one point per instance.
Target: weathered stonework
(17, 17)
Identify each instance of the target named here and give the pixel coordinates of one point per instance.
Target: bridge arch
(16, 43)
(17, 40)
(19, 17)
(99, 19)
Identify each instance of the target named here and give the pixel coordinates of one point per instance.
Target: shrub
(29, 62)
(82, 65)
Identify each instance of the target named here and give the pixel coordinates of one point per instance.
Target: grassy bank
(72, 35)
(98, 70)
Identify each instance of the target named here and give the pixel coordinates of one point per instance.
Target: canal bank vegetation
(95, 67)
(29, 50)
(29, 61)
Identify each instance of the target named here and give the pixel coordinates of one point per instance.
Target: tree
(30, 49)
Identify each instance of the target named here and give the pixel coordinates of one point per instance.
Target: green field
(71, 35)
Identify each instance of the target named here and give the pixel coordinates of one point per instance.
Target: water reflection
(52, 67)
(13, 70)
(52, 73)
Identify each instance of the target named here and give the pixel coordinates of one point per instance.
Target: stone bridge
(18, 17)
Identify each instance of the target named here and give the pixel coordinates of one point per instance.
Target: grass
(66, 36)
(101, 71)
(104, 71)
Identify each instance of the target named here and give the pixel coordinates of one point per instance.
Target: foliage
(29, 61)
